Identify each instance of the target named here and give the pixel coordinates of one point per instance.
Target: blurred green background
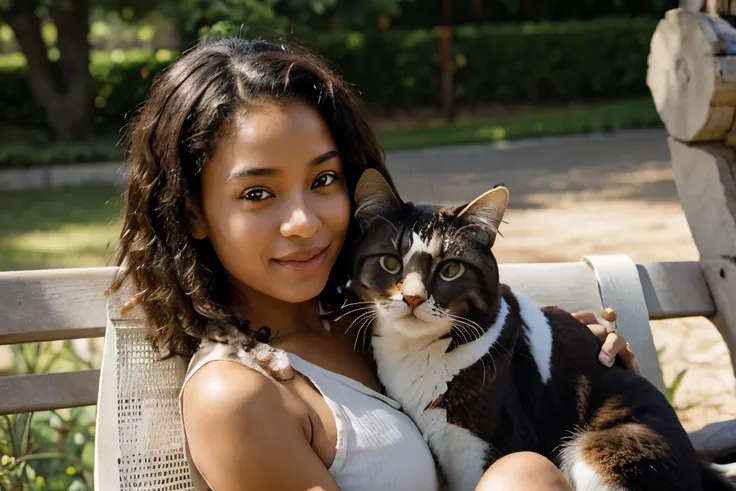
(433, 72)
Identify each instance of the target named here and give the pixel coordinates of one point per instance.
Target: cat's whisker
(457, 324)
(474, 329)
(360, 317)
(469, 333)
(356, 303)
(460, 329)
(483, 366)
(363, 331)
(357, 306)
(353, 311)
(367, 334)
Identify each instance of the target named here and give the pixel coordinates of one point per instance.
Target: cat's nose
(414, 301)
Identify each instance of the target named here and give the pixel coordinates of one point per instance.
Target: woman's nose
(301, 220)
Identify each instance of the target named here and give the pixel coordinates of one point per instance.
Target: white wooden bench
(48, 305)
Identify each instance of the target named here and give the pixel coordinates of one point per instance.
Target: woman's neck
(281, 318)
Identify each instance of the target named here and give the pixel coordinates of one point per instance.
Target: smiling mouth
(308, 260)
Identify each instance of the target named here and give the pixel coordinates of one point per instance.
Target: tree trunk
(530, 9)
(64, 90)
(447, 72)
(479, 10)
(72, 24)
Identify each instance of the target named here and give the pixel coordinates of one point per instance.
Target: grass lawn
(618, 115)
(58, 228)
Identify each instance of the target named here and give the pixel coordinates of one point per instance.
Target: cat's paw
(221, 334)
(266, 359)
(259, 356)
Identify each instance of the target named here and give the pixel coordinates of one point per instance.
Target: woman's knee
(525, 471)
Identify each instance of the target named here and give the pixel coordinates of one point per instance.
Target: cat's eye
(390, 264)
(451, 270)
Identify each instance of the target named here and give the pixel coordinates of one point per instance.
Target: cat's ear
(374, 197)
(487, 211)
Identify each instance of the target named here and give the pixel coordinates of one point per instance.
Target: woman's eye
(390, 264)
(324, 180)
(257, 194)
(452, 270)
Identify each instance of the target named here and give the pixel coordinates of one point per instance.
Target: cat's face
(428, 272)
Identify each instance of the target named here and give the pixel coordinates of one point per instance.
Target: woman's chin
(301, 291)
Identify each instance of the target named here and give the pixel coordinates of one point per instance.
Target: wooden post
(692, 78)
(447, 71)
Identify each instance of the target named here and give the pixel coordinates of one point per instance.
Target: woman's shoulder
(223, 379)
(233, 415)
(222, 383)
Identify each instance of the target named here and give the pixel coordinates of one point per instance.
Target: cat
(484, 372)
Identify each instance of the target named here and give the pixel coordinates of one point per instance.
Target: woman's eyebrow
(241, 172)
(325, 157)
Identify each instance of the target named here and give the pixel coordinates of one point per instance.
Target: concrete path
(480, 165)
(450, 175)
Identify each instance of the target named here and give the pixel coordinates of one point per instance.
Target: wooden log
(692, 75)
(705, 175)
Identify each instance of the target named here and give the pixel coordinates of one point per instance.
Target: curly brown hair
(179, 283)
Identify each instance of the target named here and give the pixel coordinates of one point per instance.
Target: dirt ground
(594, 197)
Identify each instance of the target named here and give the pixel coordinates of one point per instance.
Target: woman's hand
(613, 343)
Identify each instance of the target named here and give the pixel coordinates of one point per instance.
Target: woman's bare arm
(248, 433)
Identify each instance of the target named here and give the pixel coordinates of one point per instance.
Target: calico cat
(485, 372)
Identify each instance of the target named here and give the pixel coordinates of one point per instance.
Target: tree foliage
(63, 86)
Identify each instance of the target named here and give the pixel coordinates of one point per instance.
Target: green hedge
(538, 63)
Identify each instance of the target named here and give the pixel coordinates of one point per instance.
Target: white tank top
(378, 446)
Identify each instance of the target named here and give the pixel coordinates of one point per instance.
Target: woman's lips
(306, 260)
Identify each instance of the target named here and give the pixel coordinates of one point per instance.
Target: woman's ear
(196, 222)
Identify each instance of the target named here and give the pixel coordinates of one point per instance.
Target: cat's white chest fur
(416, 372)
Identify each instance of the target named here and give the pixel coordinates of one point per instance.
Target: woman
(244, 160)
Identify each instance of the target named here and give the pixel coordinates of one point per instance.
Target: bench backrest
(60, 304)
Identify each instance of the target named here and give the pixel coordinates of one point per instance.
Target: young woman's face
(274, 202)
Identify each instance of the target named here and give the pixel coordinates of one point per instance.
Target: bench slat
(70, 303)
(671, 289)
(675, 289)
(53, 304)
(40, 392)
